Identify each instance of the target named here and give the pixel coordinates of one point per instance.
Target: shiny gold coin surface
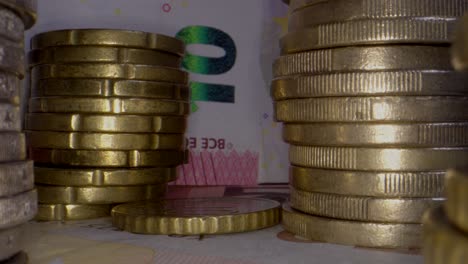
(113, 105)
(364, 58)
(11, 241)
(353, 233)
(26, 9)
(12, 59)
(378, 159)
(459, 49)
(108, 37)
(109, 88)
(13, 147)
(362, 208)
(106, 123)
(388, 83)
(10, 117)
(99, 195)
(104, 141)
(18, 209)
(71, 212)
(108, 158)
(15, 178)
(368, 183)
(11, 26)
(456, 207)
(374, 109)
(197, 216)
(103, 177)
(384, 135)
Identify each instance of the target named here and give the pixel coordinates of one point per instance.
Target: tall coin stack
(18, 198)
(374, 114)
(106, 120)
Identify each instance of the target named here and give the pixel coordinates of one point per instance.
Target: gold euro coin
(363, 208)
(11, 241)
(12, 58)
(108, 158)
(378, 159)
(17, 209)
(99, 195)
(103, 177)
(108, 37)
(373, 109)
(368, 183)
(106, 123)
(26, 9)
(109, 88)
(13, 147)
(364, 58)
(72, 212)
(456, 207)
(16, 177)
(112, 105)
(11, 26)
(10, 117)
(104, 141)
(353, 233)
(197, 216)
(459, 50)
(384, 135)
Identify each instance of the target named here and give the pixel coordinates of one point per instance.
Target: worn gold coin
(26, 9)
(378, 159)
(108, 158)
(108, 37)
(456, 207)
(374, 109)
(13, 147)
(197, 216)
(368, 183)
(49, 194)
(16, 177)
(459, 50)
(106, 123)
(364, 58)
(362, 208)
(11, 241)
(111, 105)
(104, 141)
(11, 26)
(103, 177)
(353, 233)
(10, 117)
(17, 209)
(72, 212)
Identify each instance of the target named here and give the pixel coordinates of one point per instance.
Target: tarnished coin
(388, 83)
(456, 207)
(11, 242)
(459, 47)
(374, 109)
(108, 37)
(104, 141)
(11, 26)
(197, 216)
(10, 86)
(383, 135)
(108, 158)
(362, 208)
(16, 178)
(368, 183)
(109, 88)
(72, 212)
(364, 58)
(13, 147)
(26, 9)
(20, 258)
(106, 123)
(353, 233)
(379, 159)
(10, 117)
(104, 177)
(49, 194)
(111, 105)
(17, 209)
(12, 58)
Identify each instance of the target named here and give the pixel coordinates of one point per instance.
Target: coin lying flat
(363, 58)
(373, 109)
(17, 209)
(365, 183)
(104, 177)
(108, 37)
(71, 212)
(16, 177)
(353, 233)
(378, 159)
(20, 258)
(109, 88)
(108, 158)
(11, 26)
(361, 208)
(459, 51)
(369, 32)
(106, 123)
(12, 58)
(389, 83)
(456, 206)
(197, 216)
(99, 195)
(384, 135)
(10, 117)
(13, 147)
(11, 242)
(26, 9)
(104, 141)
(113, 105)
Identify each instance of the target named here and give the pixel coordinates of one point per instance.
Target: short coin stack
(374, 114)
(106, 120)
(18, 198)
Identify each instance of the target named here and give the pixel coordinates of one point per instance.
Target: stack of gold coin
(18, 198)
(374, 114)
(106, 120)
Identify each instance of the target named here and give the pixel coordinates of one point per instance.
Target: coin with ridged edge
(197, 216)
(72, 212)
(368, 183)
(456, 207)
(11, 241)
(11, 26)
(353, 233)
(13, 147)
(26, 9)
(16, 177)
(459, 52)
(10, 117)
(17, 209)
